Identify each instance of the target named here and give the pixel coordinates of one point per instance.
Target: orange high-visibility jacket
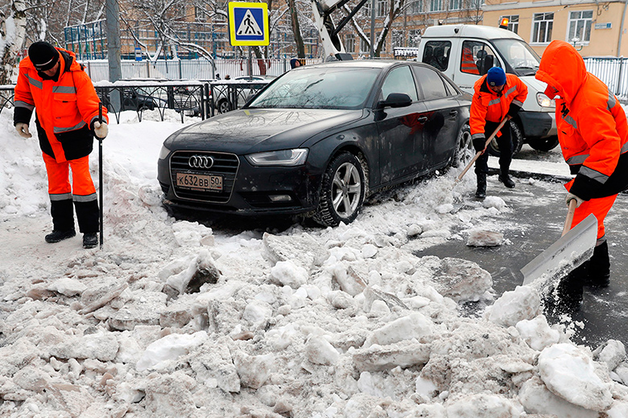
(467, 63)
(592, 126)
(489, 106)
(66, 109)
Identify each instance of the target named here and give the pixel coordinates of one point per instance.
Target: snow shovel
(100, 181)
(574, 247)
(477, 154)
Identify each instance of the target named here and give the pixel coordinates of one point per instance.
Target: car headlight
(164, 152)
(544, 101)
(288, 157)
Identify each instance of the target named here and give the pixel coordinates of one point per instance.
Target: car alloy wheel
(224, 106)
(464, 147)
(342, 192)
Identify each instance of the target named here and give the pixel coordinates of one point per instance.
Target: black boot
(505, 178)
(481, 191)
(57, 236)
(90, 240)
(62, 220)
(88, 215)
(599, 272)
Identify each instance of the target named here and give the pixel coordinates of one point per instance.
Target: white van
(466, 52)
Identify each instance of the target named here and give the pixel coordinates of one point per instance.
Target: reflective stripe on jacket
(467, 63)
(65, 108)
(489, 106)
(592, 125)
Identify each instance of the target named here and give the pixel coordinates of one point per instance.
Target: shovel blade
(569, 252)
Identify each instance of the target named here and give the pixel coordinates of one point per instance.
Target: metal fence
(198, 69)
(205, 98)
(612, 71)
(193, 98)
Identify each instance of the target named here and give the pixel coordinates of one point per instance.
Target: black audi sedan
(318, 140)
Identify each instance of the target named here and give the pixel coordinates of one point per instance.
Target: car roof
(468, 31)
(362, 63)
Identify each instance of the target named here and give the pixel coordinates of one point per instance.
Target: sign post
(248, 26)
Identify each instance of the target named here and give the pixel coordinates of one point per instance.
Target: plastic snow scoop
(574, 247)
(477, 154)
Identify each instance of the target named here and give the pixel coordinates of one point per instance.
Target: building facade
(594, 28)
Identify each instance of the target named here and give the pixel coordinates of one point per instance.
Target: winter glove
(513, 110)
(22, 129)
(479, 143)
(571, 197)
(101, 130)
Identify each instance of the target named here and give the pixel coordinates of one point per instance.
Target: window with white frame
(455, 4)
(436, 5)
(199, 14)
(397, 38)
(382, 8)
(414, 38)
(365, 46)
(580, 26)
(350, 43)
(513, 23)
(415, 7)
(542, 29)
(367, 9)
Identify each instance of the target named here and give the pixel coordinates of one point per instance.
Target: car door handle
(453, 113)
(422, 119)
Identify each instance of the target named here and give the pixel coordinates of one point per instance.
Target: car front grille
(224, 165)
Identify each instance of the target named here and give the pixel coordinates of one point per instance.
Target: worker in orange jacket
(593, 135)
(497, 95)
(67, 118)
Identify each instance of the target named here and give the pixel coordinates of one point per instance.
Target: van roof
(468, 31)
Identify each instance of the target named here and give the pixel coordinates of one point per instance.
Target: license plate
(199, 182)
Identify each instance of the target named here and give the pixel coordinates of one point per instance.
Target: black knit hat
(43, 55)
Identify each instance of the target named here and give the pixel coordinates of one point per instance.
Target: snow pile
(174, 318)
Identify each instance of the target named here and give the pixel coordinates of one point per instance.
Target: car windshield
(519, 55)
(319, 88)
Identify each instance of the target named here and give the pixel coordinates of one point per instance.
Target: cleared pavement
(535, 222)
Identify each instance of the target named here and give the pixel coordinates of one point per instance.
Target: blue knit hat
(496, 77)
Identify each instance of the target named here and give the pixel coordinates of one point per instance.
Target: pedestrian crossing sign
(248, 24)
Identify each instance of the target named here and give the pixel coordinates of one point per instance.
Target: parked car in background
(318, 141)
(228, 95)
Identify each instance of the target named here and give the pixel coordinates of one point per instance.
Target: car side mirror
(395, 100)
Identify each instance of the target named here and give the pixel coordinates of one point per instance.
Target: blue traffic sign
(248, 23)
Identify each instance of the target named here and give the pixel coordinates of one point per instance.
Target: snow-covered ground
(173, 319)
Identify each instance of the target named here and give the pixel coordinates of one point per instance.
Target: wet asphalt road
(531, 227)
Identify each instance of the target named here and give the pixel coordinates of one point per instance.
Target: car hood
(255, 130)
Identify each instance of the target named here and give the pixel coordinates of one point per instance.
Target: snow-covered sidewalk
(173, 318)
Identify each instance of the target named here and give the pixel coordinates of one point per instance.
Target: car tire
(543, 144)
(464, 147)
(343, 189)
(517, 141)
(223, 106)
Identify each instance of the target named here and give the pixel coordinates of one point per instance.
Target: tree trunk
(296, 29)
(13, 37)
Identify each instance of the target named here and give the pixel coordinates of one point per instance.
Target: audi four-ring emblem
(201, 161)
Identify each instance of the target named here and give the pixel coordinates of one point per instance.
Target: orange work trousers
(599, 207)
(82, 186)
